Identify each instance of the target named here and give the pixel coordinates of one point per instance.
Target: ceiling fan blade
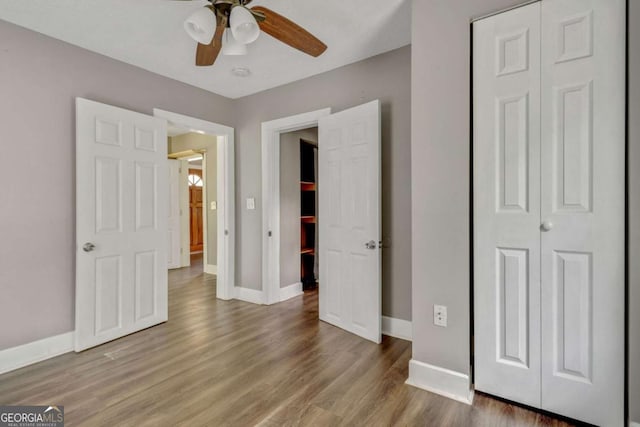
(206, 54)
(289, 32)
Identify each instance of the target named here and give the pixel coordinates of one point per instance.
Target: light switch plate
(440, 315)
(214, 206)
(251, 203)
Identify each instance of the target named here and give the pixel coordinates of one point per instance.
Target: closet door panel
(506, 81)
(583, 54)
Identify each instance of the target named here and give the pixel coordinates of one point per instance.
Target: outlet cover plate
(440, 315)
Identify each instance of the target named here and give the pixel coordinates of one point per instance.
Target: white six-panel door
(549, 207)
(349, 220)
(507, 204)
(121, 222)
(583, 183)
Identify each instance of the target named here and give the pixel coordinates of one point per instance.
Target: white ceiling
(149, 34)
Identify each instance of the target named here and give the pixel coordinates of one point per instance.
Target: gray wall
(196, 141)
(386, 77)
(440, 160)
(290, 203)
(634, 210)
(440, 151)
(39, 80)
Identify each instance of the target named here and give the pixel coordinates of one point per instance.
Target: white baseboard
(36, 351)
(445, 382)
(634, 424)
(398, 328)
(211, 269)
(248, 295)
(291, 291)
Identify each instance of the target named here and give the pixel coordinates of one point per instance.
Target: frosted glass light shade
(230, 46)
(201, 25)
(244, 27)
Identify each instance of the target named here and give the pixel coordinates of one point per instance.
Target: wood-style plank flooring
(230, 363)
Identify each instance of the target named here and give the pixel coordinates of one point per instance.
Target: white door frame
(226, 193)
(271, 131)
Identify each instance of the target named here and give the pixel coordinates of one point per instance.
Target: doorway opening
(281, 178)
(348, 237)
(197, 196)
(203, 153)
(298, 210)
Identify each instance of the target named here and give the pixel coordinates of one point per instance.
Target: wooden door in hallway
(195, 209)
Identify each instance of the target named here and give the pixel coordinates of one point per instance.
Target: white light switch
(251, 203)
(440, 315)
(214, 206)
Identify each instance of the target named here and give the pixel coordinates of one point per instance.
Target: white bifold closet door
(507, 204)
(549, 100)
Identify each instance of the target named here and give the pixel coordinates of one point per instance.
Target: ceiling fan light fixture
(231, 46)
(244, 26)
(201, 25)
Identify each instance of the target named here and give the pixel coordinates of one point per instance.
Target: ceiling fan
(241, 25)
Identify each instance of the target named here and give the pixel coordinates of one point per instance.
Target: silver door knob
(88, 247)
(370, 245)
(546, 225)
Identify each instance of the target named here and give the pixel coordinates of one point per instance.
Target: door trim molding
(271, 131)
(225, 282)
(36, 351)
(442, 381)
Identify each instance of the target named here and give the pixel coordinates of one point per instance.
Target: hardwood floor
(230, 363)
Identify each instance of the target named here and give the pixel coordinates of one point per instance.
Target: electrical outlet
(251, 204)
(214, 206)
(440, 315)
